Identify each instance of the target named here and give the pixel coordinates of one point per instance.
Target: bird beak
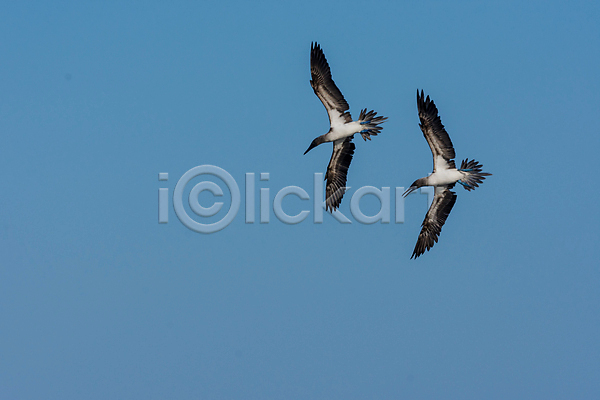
(312, 146)
(410, 190)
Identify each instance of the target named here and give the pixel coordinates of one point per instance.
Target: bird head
(315, 143)
(415, 185)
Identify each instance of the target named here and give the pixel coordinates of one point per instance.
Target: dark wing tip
(319, 67)
(426, 106)
(315, 51)
(419, 96)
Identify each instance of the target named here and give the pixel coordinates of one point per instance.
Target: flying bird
(444, 176)
(342, 127)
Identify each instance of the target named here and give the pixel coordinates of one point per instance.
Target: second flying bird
(342, 127)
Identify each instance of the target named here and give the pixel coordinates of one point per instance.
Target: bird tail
(472, 174)
(370, 123)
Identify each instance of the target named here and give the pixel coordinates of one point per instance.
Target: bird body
(444, 176)
(339, 132)
(342, 127)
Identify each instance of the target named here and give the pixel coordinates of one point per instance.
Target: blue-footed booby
(444, 176)
(342, 128)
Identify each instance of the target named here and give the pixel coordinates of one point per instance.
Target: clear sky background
(99, 301)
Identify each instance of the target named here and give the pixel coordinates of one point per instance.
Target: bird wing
(325, 88)
(337, 171)
(435, 134)
(442, 204)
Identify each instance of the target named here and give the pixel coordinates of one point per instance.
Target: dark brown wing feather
(434, 131)
(337, 172)
(441, 206)
(325, 87)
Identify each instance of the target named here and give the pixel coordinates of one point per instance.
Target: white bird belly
(445, 177)
(342, 131)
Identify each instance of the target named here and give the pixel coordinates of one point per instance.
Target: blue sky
(99, 301)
